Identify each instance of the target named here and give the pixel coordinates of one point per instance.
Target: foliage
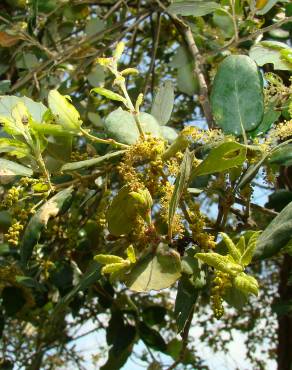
(113, 201)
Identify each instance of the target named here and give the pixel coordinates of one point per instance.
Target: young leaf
(232, 249)
(219, 262)
(180, 185)
(7, 103)
(237, 95)
(106, 259)
(246, 284)
(276, 234)
(226, 155)
(64, 112)
(109, 94)
(163, 103)
(246, 258)
(33, 231)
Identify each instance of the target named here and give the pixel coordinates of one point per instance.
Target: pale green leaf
(9, 169)
(14, 147)
(163, 103)
(121, 126)
(219, 262)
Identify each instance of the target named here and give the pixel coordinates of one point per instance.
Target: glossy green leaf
(9, 169)
(163, 103)
(155, 272)
(270, 52)
(109, 94)
(64, 112)
(223, 20)
(33, 231)
(121, 126)
(186, 81)
(196, 8)
(237, 95)
(180, 186)
(276, 235)
(186, 297)
(226, 155)
(151, 337)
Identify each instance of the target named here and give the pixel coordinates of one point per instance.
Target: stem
(103, 141)
(132, 108)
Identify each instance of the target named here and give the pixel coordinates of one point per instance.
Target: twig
(257, 207)
(154, 52)
(198, 62)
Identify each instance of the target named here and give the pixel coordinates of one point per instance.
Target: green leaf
(50, 129)
(154, 315)
(270, 52)
(121, 337)
(226, 155)
(282, 156)
(91, 162)
(64, 112)
(187, 295)
(237, 95)
(91, 276)
(125, 208)
(9, 169)
(105, 259)
(7, 103)
(223, 20)
(196, 8)
(151, 337)
(163, 103)
(109, 94)
(276, 235)
(270, 117)
(155, 272)
(14, 147)
(251, 172)
(180, 186)
(121, 126)
(33, 231)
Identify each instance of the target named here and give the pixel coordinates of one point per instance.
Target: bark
(284, 350)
